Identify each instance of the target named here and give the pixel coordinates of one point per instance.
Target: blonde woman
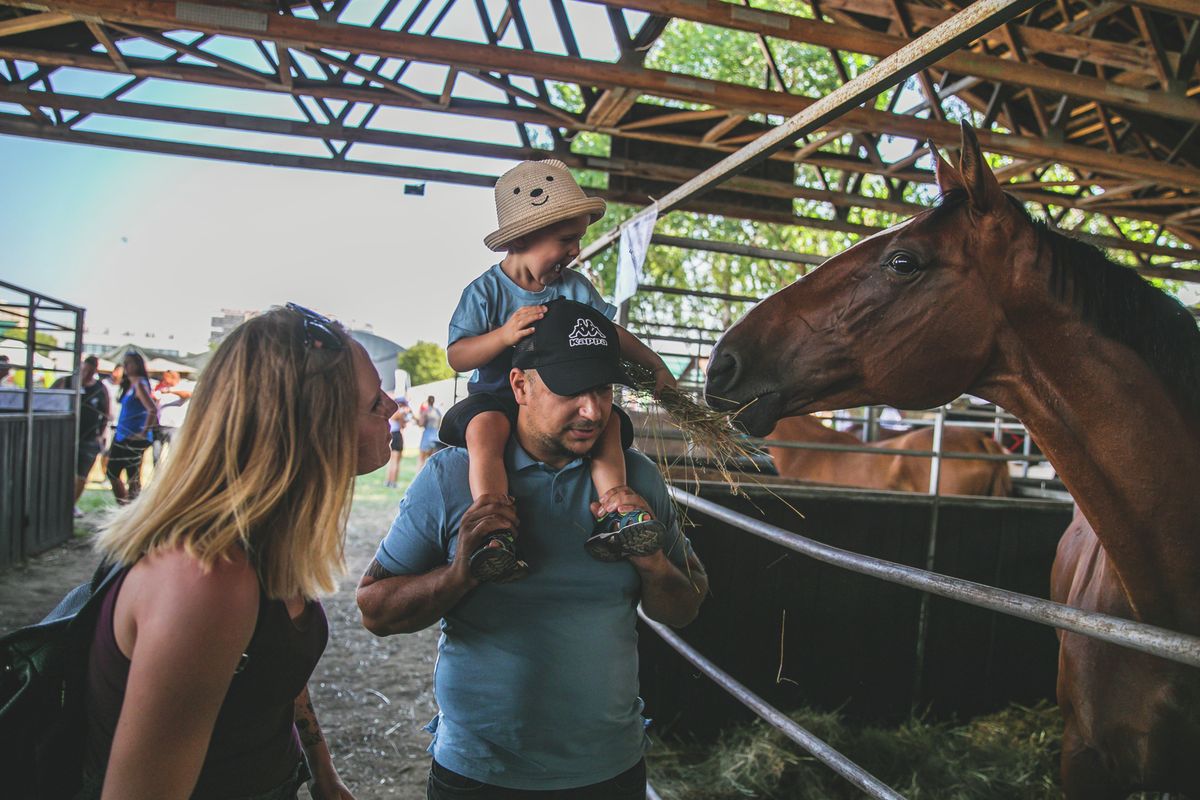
(198, 672)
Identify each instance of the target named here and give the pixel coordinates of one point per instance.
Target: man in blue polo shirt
(536, 681)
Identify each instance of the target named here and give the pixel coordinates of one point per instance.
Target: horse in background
(973, 296)
(886, 470)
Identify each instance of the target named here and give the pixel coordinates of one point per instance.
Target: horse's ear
(982, 186)
(948, 178)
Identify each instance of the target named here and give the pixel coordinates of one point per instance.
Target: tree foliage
(425, 362)
(44, 342)
(721, 54)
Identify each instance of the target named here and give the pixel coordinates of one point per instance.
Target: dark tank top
(254, 745)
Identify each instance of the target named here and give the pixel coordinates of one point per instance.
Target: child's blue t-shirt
(488, 302)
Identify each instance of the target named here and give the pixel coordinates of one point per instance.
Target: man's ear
(518, 245)
(519, 382)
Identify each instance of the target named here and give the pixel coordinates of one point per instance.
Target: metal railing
(1178, 647)
(33, 314)
(782, 722)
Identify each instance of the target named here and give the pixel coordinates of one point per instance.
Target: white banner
(635, 241)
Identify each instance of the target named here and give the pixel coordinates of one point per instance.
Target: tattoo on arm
(377, 571)
(306, 721)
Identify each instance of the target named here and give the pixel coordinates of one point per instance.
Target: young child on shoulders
(542, 214)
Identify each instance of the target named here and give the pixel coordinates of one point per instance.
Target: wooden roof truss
(1094, 105)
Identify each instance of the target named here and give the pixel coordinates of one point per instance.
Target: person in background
(93, 420)
(135, 424)
(171, 397)
(396, 426)
(6, 370)
(430, 419)
(197, 681)
(112, 384)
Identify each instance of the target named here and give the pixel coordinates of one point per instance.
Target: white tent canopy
(164, 364)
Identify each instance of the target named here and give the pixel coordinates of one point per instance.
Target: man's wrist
(457, 579)
(655, 563)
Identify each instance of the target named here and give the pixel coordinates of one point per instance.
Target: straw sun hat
(535, 194)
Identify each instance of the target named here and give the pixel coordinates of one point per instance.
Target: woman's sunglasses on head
(319, 330)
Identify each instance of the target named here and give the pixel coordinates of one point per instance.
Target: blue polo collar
(518, 460)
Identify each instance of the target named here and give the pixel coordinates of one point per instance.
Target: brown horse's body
(889, 471)
(1103, 370)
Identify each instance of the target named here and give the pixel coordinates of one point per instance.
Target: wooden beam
(964, 27)
(1162, 67)
(723, 127)
(283, 65)
(161, 13)
(963, 62)
(110, 47)
(34, 22)
(353, 135)
(1190, 54)
(1065, 42)
(1181, 8)
(674, 118)
(732, 248)
(739, 99)
(220, 62)
(369, 76)
(562, 115)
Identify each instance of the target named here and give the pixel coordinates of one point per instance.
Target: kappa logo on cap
(585, 334)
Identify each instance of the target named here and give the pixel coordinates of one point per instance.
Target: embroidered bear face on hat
(535, 194)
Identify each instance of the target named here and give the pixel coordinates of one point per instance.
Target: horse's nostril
(723, 369)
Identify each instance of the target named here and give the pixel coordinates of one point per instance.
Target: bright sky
(164, 242)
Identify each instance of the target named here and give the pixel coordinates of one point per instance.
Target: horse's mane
(1119, 303)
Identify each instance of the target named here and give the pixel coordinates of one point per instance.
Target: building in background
(229, 319)
(383, 353)
(98, 341)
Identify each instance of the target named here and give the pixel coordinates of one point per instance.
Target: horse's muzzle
(724, 369)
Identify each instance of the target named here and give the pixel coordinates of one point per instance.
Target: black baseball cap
(573, 348)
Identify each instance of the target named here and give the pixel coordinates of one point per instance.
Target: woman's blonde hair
(265, 461)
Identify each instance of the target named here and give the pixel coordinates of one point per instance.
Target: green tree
(45, 343)
(689, 48)
(424, 362)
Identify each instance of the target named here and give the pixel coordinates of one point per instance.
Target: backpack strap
(78, 598)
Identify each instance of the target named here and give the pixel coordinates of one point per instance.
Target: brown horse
(887, 471)
(1103, 369)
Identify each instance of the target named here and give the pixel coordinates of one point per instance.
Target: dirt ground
(372, 695)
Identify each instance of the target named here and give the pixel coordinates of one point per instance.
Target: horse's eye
(903, 264)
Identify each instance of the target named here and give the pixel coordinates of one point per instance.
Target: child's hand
(520, 324)
(663, 379)
(619, 499)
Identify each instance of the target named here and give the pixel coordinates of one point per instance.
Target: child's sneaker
(618, 536)
(498, 564)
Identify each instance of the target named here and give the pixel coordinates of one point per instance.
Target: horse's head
(907, 317)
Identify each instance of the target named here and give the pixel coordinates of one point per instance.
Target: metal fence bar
(1152, 639)
(854, 448)
(776, 718)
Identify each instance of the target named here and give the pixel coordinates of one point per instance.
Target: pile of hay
(1010, 755)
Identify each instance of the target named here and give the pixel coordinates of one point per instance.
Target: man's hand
(520, 324)
(488, 514)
